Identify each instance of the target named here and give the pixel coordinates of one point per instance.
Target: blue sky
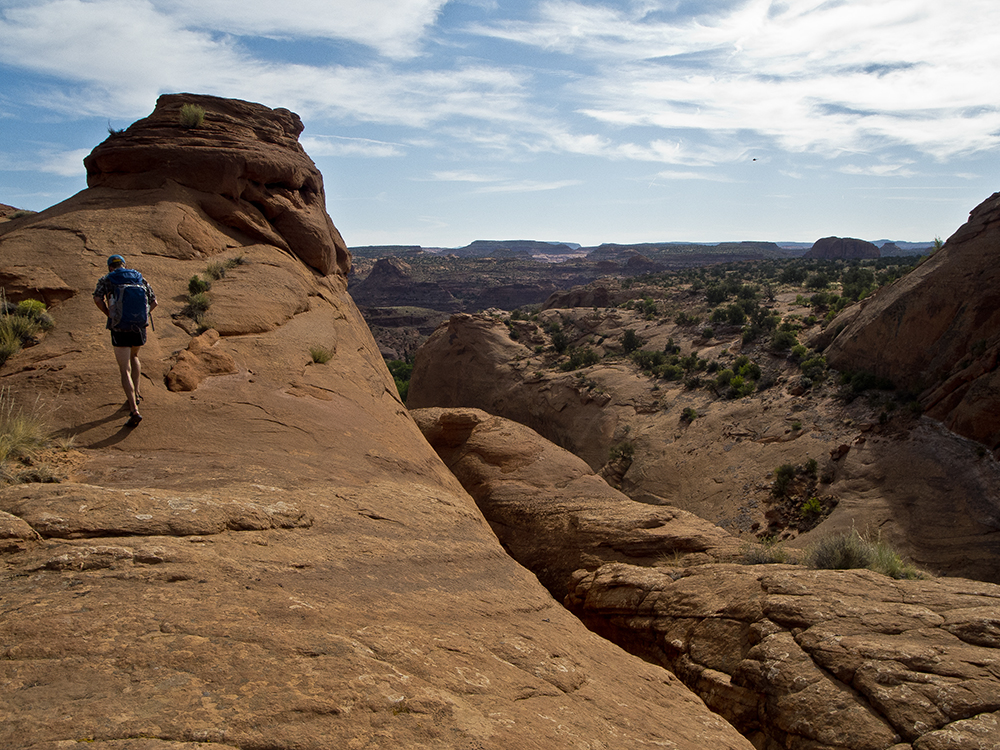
(438, 123)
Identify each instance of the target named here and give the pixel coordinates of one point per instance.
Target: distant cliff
(843, 248)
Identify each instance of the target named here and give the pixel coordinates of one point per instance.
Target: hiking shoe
(134, 420)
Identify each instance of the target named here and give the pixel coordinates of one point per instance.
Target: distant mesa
(244, 164)
(843, 248)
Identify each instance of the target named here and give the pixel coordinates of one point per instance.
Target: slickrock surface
(937, 330)
(815, 660)
(274, 558)
(925, 490)
(550, 511)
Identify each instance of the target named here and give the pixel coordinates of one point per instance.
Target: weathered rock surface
(549, 509)
(815, 660)
(937, 330)
(245, 164)
(199, 361)
(276, 559)
(391, 284)
(924, 489)
(843, 248)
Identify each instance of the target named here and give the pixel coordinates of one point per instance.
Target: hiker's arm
(102, 306)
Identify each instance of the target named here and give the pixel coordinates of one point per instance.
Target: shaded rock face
(276, 558)
(923, 487)
(390, 284)
(549, 509)
(815, 660)
(937, 330)
(843, 248)
(245, 162)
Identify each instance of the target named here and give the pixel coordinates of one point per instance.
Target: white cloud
(527, 186)
(335, 145)
(809, 75)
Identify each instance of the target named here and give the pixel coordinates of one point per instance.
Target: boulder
(843, 248)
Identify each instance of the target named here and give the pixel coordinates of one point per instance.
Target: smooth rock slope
(275, 558)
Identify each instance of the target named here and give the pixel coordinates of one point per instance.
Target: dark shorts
(128, 338)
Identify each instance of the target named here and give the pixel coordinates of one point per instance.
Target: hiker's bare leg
(123, 355)
(136, 368)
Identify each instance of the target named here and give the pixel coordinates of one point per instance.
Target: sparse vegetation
(850, 550)
(24, 435)
(20, 325)
(191, 116)
(401, 372)
(320, 354)
(766, 552)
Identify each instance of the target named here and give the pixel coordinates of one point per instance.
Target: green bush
(783, 477)
(191, 116)
(782, 340)
(630, 341)
(579, 357)
(198, 285)
(689, 415)
(841, 552)
(197, 305)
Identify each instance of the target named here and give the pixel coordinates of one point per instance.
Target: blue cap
(116, 260)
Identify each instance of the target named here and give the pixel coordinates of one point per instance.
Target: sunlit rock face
(243, 159)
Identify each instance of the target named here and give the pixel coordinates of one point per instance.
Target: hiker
(125, 297)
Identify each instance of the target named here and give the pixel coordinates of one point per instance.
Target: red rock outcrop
(815, 659)
(937, 330)
(843, 248)
(550, 510)
(245, 164)
(277, 558)
(925, 488)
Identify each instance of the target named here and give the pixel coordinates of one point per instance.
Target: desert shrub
(708, 332)
(689, 415)
(560, 341)
(814, 368)
(401, 372)
(20, 213)
(670, 372)
(198, 285)
(850, 550)
(648, 361)
(766, 552)
(630, 341)
(621, 451)
(782, 340)
(735, 315)
(811, 507)
(686, 319)
(579, 357)
(197, 305)
(724, 377)
(191, 116)
(799, 352)
(22, 432)
(841, 552)
(21, 326)
(320, 354)
(783, 477)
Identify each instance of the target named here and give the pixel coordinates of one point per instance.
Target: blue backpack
(128, 305)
